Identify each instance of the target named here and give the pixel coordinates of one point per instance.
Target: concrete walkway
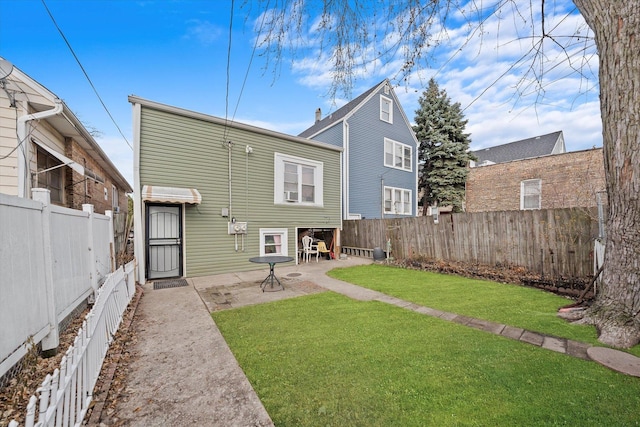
(185, 374)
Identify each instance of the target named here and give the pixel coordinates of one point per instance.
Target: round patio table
(272, 261)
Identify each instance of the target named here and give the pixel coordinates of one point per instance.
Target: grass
(327, 360)
(513, 305)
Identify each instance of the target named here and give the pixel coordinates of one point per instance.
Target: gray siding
(333, 135)
(366, 159)
(182, 151)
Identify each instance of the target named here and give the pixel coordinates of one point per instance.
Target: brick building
(553, 181)
(44, 145)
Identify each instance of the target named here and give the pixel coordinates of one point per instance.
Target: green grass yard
(325, 359)
(513, 305)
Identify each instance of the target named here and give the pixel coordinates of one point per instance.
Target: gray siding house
(380, 174)
(211, 193)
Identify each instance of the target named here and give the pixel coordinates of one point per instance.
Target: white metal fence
(51, 259)
(65, 396)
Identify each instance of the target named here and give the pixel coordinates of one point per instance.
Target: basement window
(273, 241)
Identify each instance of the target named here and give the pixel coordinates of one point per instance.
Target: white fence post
(52, 340)
(92, 253)
(112, 240)
(66, 395)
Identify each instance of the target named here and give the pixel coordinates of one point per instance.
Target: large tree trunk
(616, 24)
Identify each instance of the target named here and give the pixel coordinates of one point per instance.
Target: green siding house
(209, 193)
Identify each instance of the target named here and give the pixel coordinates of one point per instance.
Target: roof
(339, 114)
(133, 99)
(538, 146)
(70, 126)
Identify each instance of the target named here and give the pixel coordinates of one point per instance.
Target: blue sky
(175, 52)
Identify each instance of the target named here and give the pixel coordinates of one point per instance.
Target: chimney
(318, 115)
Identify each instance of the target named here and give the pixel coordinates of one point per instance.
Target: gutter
(21, 130)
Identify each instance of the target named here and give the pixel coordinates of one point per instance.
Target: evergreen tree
(443, 153)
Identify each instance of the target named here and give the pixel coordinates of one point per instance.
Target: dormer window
(386, 109)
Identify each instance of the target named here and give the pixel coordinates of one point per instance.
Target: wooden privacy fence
(551, 242)
(65, 396)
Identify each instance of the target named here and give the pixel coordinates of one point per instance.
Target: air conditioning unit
(291, 196)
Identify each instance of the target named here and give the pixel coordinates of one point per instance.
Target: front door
(164, 241)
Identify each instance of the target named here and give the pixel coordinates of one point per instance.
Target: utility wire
(226, 99)
(253, 52)
(85, 73)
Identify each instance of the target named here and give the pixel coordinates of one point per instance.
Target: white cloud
(543, 92)
(203, 31)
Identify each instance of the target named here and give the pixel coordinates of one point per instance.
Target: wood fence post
(93, 274)
(50, 342)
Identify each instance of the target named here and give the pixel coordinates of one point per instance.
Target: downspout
(382, 196)
(345, 168)
(21, 131)
(138, 206)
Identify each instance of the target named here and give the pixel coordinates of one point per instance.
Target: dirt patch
(14, 397)
(226, 297)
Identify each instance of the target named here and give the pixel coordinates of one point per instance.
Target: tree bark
(616, 24)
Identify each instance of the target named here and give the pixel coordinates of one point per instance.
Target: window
(530, 194)
(397, 155)
(297, 181)
(52, 178)
(114, 199)
(273, 241)
(386, 109)
(397, 201)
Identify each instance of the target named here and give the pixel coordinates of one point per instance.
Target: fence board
(29, 308)
(551, 242)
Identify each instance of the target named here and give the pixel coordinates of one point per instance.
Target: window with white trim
(530, 194)
(273, 241)
(297, 181)
(397, 201)
(386, 109)
(397, 155)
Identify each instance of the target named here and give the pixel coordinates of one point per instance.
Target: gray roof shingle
(538, 146)
(339, 114)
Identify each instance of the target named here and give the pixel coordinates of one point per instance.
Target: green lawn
(325, 359)
(513, 305)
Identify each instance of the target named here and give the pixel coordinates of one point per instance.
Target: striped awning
(152, 193)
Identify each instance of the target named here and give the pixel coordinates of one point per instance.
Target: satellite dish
(6, 68)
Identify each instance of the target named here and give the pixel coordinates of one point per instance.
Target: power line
(85, 74)
(253, 52)
(226, 99)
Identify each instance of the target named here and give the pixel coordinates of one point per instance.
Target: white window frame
(404, 148)
(405, 202)
(278, 183)
(384, 100)
(284, 245)
(528, 188)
